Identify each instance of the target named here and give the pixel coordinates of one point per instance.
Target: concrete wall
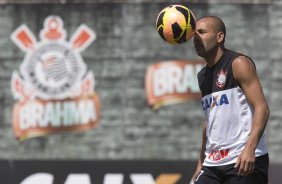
(127, 43)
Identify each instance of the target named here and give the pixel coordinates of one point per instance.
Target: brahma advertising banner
(171, 82)
(54, 90)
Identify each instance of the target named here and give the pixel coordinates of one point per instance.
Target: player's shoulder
(242, 61)
(243, 68)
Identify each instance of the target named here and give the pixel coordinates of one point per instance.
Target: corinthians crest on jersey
(54, 89)
(221, 78)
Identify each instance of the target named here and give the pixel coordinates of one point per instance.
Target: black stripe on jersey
(220, 76)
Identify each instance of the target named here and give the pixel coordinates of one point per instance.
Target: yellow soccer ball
(176, 24)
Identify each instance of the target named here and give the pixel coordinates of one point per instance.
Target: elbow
(266, 111)
(263, 112)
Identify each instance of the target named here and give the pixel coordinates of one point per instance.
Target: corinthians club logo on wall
(54, 89)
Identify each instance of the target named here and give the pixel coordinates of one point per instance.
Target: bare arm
(245, 73)
(202, 153)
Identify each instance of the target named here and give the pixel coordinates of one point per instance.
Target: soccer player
(234, 149)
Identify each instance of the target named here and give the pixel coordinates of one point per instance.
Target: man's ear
(220, 37)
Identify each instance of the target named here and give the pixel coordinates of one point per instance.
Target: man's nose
(196, 36)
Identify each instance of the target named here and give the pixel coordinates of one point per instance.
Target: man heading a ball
(234, 149)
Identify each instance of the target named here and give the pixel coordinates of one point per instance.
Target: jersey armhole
(237, 83)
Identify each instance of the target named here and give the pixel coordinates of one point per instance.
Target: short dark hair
(220, 24)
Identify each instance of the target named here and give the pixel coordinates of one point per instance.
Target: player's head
(209, 36)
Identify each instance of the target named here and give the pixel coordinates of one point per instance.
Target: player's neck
(214, 57)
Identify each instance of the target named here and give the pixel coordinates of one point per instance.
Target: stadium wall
(126, 45)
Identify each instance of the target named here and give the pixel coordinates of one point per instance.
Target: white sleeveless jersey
(228, 113)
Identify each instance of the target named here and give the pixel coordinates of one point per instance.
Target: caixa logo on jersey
(212, 101)
(54, 89)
